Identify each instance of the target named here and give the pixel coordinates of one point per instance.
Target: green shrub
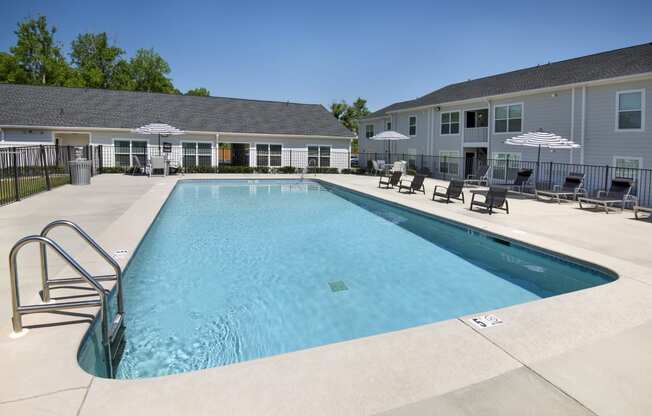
(323, 170)
(261, 169)
(411, 172)
(200, 169)
(115, 169)
(347, 171)
(235, 169)
(286, 169)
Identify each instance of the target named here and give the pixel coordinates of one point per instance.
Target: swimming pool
(234, 270)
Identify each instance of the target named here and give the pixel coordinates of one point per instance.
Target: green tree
(121, 78)
(149, 72)
(10, 71)
(37, 53)
(338, 109)
(95, 59)
(203, 92)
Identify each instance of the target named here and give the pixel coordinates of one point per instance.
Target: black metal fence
(203, 157)
(503, 171)
(28, 170)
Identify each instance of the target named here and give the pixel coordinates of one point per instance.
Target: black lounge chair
(618, 194)
(522, 179)
(572, 187)
(390, 181)
(416, 184)
(480, 178)
(495, 198)
(453, 191)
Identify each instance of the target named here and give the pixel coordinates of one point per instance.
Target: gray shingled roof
(620, 62)
(80, 107)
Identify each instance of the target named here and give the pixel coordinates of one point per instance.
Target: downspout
(217, 150)
(572, 129)
(583, 134)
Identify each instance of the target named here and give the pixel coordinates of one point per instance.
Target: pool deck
(583, 353)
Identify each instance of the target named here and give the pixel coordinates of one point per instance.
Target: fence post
(290, 157)
(100, 158)
(506, 168)
(550, 176)
(15, 159)
(606, 177)
(67, 164)
(44, 166)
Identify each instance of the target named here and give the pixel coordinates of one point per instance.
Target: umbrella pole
(159, 144)
(536, 177)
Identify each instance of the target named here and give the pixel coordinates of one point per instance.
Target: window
(412, 123)
(125, 149)
(627, 167)
(269, 155)
(450, 123)
(388, 125)
(449, 162)
(630, 106)
(319, 156)
(505, 165)
(412, 159)
(477, 118)
(508, 118)
(369, 131)
(196, 153)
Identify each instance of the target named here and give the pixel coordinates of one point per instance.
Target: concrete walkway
(582, 353)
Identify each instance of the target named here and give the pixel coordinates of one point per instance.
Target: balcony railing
(475, 134)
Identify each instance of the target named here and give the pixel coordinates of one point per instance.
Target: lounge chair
(572, 187)
(136, 167)
(638, 209)
(495, 198)
(390, 181)
(416, 184)
(453, 191)
(618, 194)
(522, 180)
(480, 178)
(399, 166)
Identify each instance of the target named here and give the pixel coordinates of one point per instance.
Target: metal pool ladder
(112, 333)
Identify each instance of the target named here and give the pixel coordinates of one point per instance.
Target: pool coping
(105, 387)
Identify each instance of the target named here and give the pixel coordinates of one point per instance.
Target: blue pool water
(236, 270)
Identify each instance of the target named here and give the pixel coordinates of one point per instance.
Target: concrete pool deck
(583, 353)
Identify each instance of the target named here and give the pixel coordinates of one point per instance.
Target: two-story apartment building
(598, 101)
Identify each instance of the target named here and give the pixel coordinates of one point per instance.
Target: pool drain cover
(337, 286)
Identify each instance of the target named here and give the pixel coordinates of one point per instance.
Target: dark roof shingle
(617, 63)
(80, 107)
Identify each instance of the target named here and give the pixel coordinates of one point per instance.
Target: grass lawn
(28, 185)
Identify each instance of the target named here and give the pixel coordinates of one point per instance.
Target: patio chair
(572, 187)
(390, 181)
(522, 179)
(480, 178)
(638, 209)
(495, 198)
(416, 184)
(157, 166)
(453, 191)
(617, 194)
(136, 167)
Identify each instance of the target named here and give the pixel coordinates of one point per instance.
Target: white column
(216, 155)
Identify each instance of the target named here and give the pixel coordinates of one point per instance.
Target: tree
(338, 109)
(10, 71)
(95, 59)
(203, 92)
(149, 70)
(121, 78)
(37, 53)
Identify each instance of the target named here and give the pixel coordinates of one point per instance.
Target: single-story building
(218, 130)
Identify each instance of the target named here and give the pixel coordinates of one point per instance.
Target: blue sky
(321, 51)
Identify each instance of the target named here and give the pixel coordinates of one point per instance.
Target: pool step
(116, 340)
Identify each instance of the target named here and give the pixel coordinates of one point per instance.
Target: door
(469, 164)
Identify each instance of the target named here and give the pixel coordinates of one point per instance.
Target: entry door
(469, 164)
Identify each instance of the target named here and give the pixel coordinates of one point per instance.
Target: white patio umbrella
(541, 139)
(389, 136)
(159, 129)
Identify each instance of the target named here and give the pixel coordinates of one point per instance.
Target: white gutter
(89, 129)
(524, 92)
